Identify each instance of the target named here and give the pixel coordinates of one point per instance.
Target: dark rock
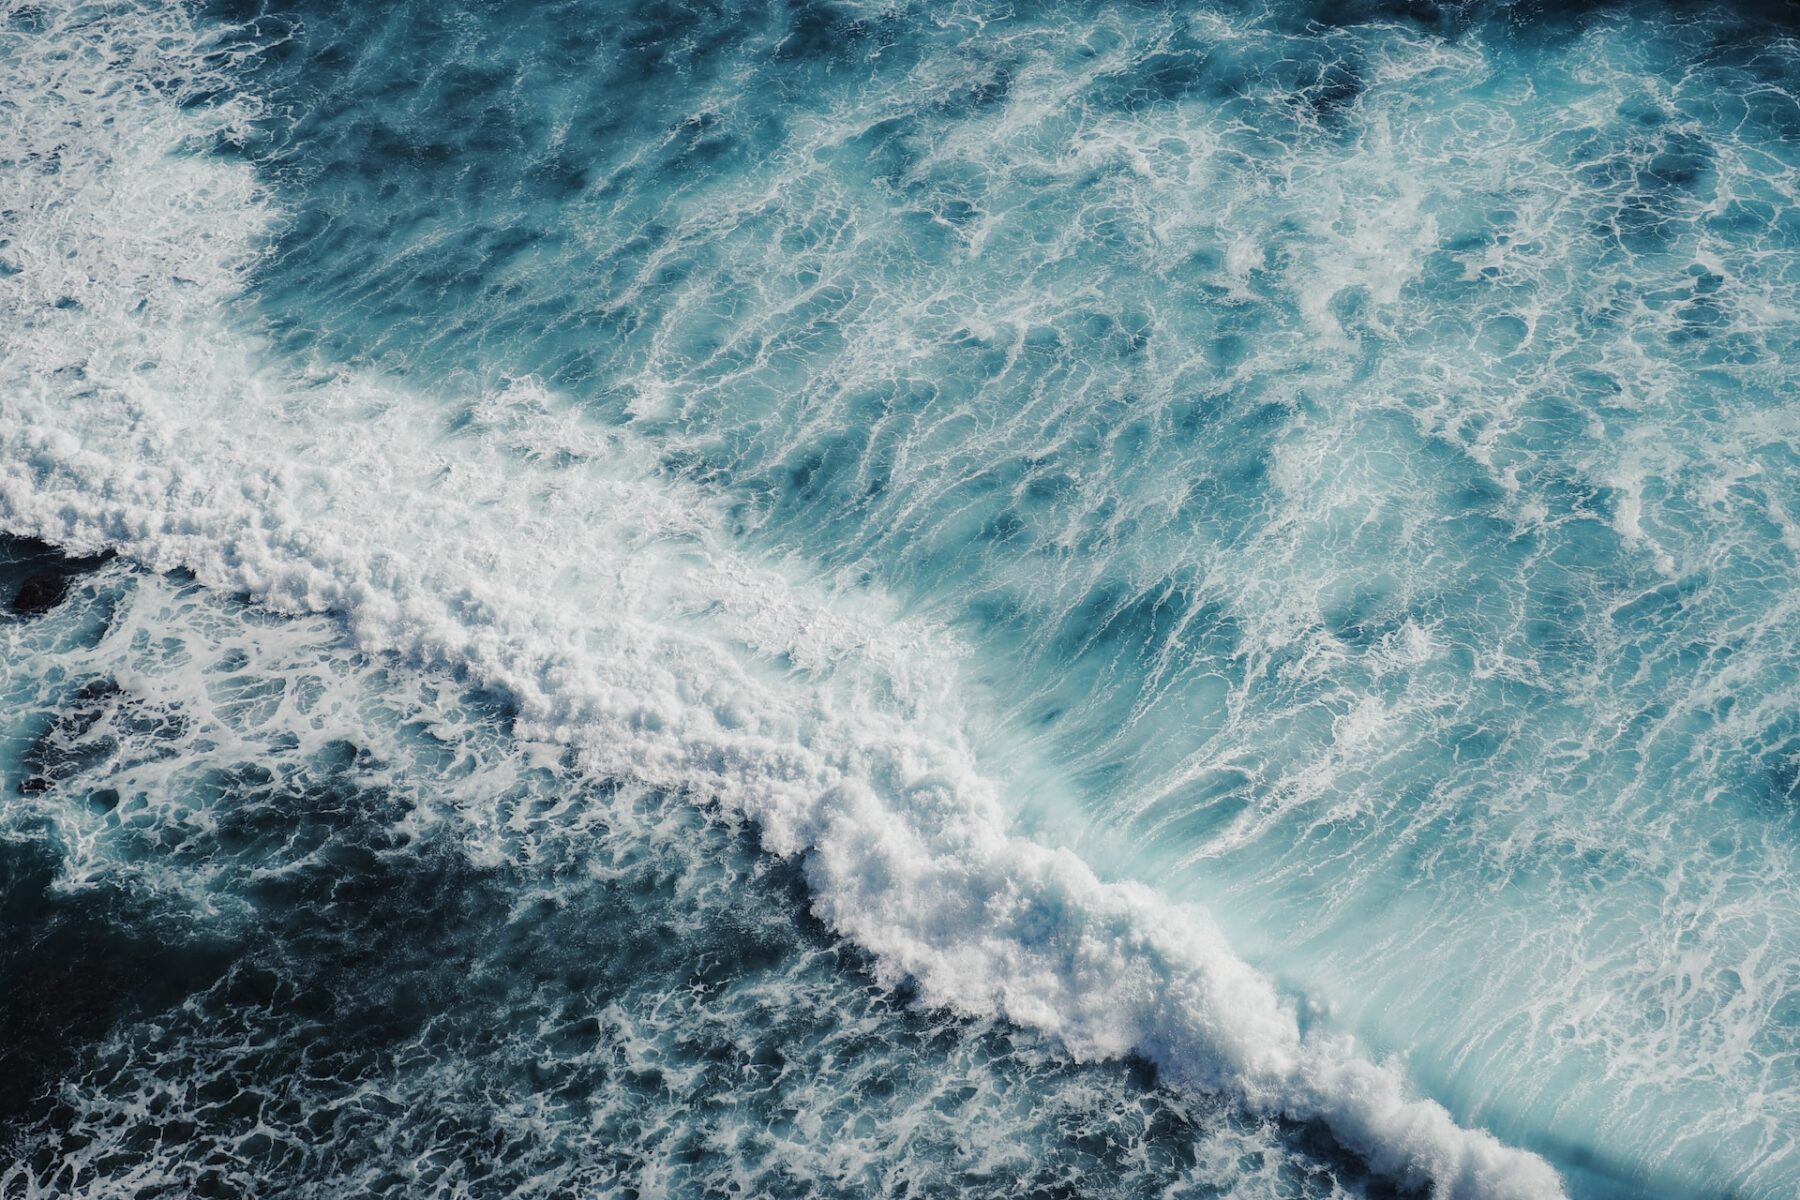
(37, 574)
(40, 593)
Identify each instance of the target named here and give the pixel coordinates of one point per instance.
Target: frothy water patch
(284, 918)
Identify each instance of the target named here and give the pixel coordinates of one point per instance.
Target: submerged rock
(40, 593)
(44, 573)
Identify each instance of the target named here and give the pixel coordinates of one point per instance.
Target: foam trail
(512, 543)
(645, 972)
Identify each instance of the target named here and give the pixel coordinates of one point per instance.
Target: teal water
(1326, 471)
(319, 928)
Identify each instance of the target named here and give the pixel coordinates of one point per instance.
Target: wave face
(327, 929)
(746, 599)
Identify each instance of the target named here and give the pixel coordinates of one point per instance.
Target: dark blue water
(282, 920)
(898, 599)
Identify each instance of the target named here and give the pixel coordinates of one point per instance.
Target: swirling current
(658, 598)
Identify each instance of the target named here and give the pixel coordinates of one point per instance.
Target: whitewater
(1074, 837)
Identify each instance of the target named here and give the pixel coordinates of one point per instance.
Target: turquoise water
(899, 599)
(326, 931)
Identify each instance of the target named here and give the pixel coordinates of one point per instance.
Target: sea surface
(813, 598)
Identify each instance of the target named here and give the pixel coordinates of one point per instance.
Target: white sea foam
(510, 541)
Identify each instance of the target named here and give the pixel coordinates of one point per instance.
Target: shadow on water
(71, 967)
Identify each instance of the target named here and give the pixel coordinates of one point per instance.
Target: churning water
(899, 599)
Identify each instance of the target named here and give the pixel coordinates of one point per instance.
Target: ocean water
(883, 599)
